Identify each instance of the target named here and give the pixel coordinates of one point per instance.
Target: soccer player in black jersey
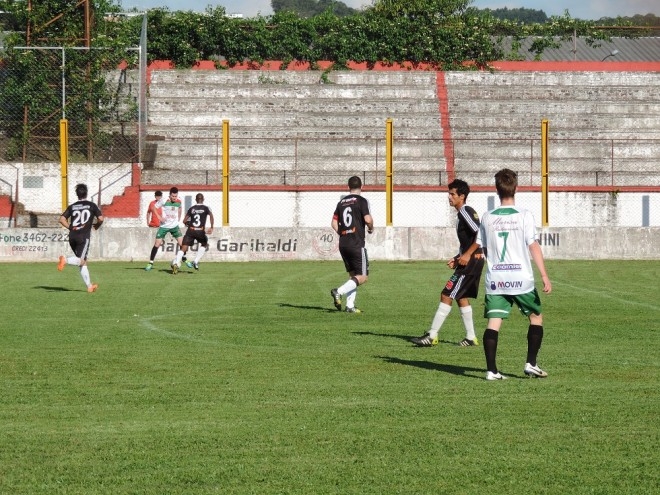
(79, 218)
(351, 216)
(467, 265)
(195, 219)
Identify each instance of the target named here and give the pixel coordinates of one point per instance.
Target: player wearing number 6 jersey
(508, 237)
(351, 216)
(79, 218)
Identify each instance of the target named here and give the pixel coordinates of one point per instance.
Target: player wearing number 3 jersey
(195, 219)
(508, 238)
(350, 220)
(79, 218)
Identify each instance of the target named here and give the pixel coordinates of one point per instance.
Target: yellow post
(225, 173)
(389, 133)
(64, 161)
(544, 173)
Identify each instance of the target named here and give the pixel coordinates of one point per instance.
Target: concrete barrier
(270, 244)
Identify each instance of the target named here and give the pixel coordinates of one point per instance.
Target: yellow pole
(64, 161)
(225, 173)
(389, 133)
(544, 173)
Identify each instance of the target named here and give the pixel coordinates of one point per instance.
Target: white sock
(347, 287)
(200, 252)
(84, 273)
(439, 319)
(73, 260)
(350, 298)
(179, 256)
(466, 314)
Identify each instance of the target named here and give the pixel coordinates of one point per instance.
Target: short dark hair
(158, 194)
(354, 183)
(81, 191)
(199, 198)
(506, 183)
(174, 190)
(462, 187)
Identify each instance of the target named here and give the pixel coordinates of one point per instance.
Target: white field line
(616, 297)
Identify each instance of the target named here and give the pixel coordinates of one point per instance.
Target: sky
(581, 9)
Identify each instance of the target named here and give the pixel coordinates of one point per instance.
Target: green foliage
(242, 378)
(310, 8)
(38, 83)
(520, 15)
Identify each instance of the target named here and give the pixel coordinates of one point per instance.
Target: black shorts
(195, 235)
(79, 243)
(465, 281)
(355, 260)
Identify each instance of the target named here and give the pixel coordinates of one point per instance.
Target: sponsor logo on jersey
(508, 284)
(507, 267)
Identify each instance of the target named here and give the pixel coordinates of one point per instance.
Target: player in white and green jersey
(508, 236)
(169, 224)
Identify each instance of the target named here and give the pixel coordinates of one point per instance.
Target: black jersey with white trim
(350, 213)
(467, 228)
(197, 215)
(81, 215)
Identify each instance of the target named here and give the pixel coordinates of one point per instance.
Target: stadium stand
(313, 127)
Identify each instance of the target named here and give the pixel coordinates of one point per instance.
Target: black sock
(534, 339)
(490, 348)
(154, 252)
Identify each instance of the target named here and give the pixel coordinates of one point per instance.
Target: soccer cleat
(468, 342)
(534, 371)
(61, 263)
(189, 264)
(195, 265)
(149, 266)
(352, 310)
(175, 268)
(490, 376)
(336, 299)
(92, 288)
(425, 340)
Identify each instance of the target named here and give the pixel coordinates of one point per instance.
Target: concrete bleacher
(597, 121)
(293, 126)
(311, 127)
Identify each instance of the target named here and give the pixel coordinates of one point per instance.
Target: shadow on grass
(388, 335)
(444, 368)
(302, 306)
(56, 289)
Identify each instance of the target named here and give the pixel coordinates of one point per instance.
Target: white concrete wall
(387, 243)
(263, 209)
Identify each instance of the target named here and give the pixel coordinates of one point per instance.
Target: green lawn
(242, 378)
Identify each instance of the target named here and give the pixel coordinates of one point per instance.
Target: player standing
(79, 218)
(508, 237)
(350, 218)
(467, 264)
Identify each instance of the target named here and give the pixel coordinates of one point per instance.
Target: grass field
(243, 379)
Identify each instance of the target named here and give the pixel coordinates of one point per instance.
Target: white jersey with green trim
(506, 234)
(170, 216)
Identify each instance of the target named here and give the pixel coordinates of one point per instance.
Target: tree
(52, 48)
(310, 8)
(521, 15)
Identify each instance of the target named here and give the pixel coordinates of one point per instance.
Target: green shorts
(162, 232)
(499, 305)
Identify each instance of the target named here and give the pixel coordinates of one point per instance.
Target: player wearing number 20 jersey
(79, 218)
